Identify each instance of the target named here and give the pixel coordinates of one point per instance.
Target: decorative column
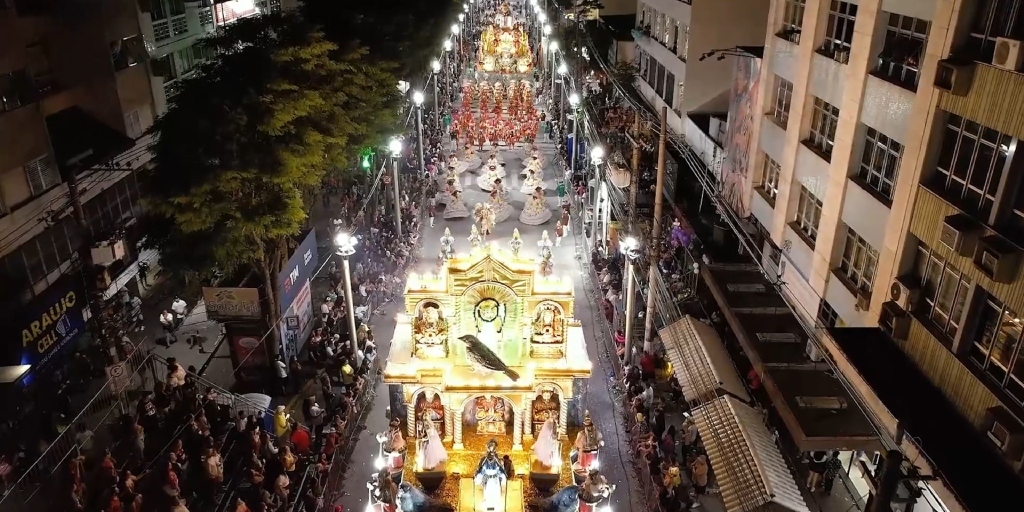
(457, 428)
(528, 418)
(449, 420)
(563, 418)
(517, 431)
(410, 419)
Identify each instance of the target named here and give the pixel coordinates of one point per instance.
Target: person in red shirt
(301, 441)
(647, 366)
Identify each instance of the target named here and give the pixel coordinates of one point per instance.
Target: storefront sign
(52, 321)
(248, 353)
(232, 303)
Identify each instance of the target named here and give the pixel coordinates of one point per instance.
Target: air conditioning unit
(959, 234)
(997, 259)
(894, 320)
(905, 292)
(954, 77)
(1007, 54)
(863, 303)
(1005, 432)
(812, 352)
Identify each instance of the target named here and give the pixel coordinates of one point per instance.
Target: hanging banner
(737, 165)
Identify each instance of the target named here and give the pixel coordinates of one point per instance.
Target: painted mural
(737, 166)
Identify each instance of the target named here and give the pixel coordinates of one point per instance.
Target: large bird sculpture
(484, 359)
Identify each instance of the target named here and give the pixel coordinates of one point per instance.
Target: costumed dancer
(536, 211)
(490, 474)
(430, 452)
(545, 449)
(532, 182)
(502, 209)
(516, 243)
(456, 207)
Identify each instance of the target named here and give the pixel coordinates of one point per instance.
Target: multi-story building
(889, 192)
(75, 100)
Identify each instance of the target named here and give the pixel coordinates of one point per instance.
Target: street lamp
(597, 155)
(462, 16)
(435, 66)
(396, 151)
(631, 250)
(417, 99)
(552, 48)
(541, 17)
(345, 246)
(574, 101)
(562, 70)
(546, 29)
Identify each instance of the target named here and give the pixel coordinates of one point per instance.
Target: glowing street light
(462, 16)
(447, 45)
(417, 98)
(553, 46)
(563, 69)
(546, 29)
(597, 155)
(541, 17)
(345, 246)
(395, 147)
(574, 99)
(455, 28)
(435, 65)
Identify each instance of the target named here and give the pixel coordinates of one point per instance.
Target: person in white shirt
(325, 311)
(282, 375)
(180, 308)
(167, 322)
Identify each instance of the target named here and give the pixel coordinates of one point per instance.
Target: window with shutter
(42, 175)
(133, 124)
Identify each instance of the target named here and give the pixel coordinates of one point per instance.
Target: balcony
(175, 32)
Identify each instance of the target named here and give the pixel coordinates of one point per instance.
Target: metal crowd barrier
(111, 400)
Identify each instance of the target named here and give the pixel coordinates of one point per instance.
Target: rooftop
(819, 412)
(964, 459)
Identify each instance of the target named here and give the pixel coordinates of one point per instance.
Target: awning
(747, 465)
(700, 361)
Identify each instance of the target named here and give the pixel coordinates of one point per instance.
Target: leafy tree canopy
(406, 32)
(257, 127)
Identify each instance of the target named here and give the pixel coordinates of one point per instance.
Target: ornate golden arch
(555, 387)
(561, 310)
(489, 290)
(424, 389)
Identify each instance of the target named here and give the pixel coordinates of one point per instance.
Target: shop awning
(700, 361)
(747, 465)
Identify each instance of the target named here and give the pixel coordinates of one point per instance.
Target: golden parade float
(487, 355)
(504, 47)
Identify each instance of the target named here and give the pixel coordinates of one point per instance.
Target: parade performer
(456, 208)
(502, 209)
(487, 180)
(545, 449)
(516, 243)
(532, 182)
(430, 452)
(490, 475)
(536, 211)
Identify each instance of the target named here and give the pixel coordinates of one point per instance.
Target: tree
(248, 136)
(407, 33)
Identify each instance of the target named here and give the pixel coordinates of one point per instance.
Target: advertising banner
(737, 172)
(248, 353)
(230, 304)
(294, 296)
(52, 321)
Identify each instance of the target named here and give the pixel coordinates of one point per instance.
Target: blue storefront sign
(294, 297)
(52, 322)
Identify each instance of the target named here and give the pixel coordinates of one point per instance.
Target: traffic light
(366, 159)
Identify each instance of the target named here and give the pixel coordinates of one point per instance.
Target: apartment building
(75, 99)
(172, 30)
(887, 185)
(671, 38)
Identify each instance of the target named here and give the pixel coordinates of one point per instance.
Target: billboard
(52, 321)
(232, 304)
(248, 352)
(294, 296)
(737, 172)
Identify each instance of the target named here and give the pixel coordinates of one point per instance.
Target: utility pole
(634, 184)
(93, 291)
(654, 243)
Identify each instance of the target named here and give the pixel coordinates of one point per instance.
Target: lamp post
(345, 246)
(631, 249)
(600, 214)
(562, 70)
(574, 101)
(417, 99)
(396, 151)
(553, 47)
(455, 32)
(435, 65)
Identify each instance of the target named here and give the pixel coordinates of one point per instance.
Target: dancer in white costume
(486, 181)
(534, 164)
(498, 163)
(455, 163)
(532, 182)
(430, 452)
(536, 211)
(451, 176)
(502, 209)
(499, 185)
(470, 158)
(545, 449)
(450, 188)
(456, 208)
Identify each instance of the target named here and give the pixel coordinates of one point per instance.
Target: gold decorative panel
(987, 100)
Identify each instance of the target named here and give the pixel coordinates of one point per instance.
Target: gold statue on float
(504, 47)
(430, 328)
(490, 415)
(548, 324)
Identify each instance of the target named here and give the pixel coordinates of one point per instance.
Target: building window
(993, 19)
(971, 164)
(770, 178)
(683, 47)
(828, 316)
(176, 7)
(783, 100)
(859, 261)
(793, 20)
(157, 10)
(880, 163)
(823, 126)
(16, 90)
(42, 175)
(900, 59)
(670, 88)
(996, 347)
(944, 290)
(839, 31)
(808, 214)
(679, 97)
